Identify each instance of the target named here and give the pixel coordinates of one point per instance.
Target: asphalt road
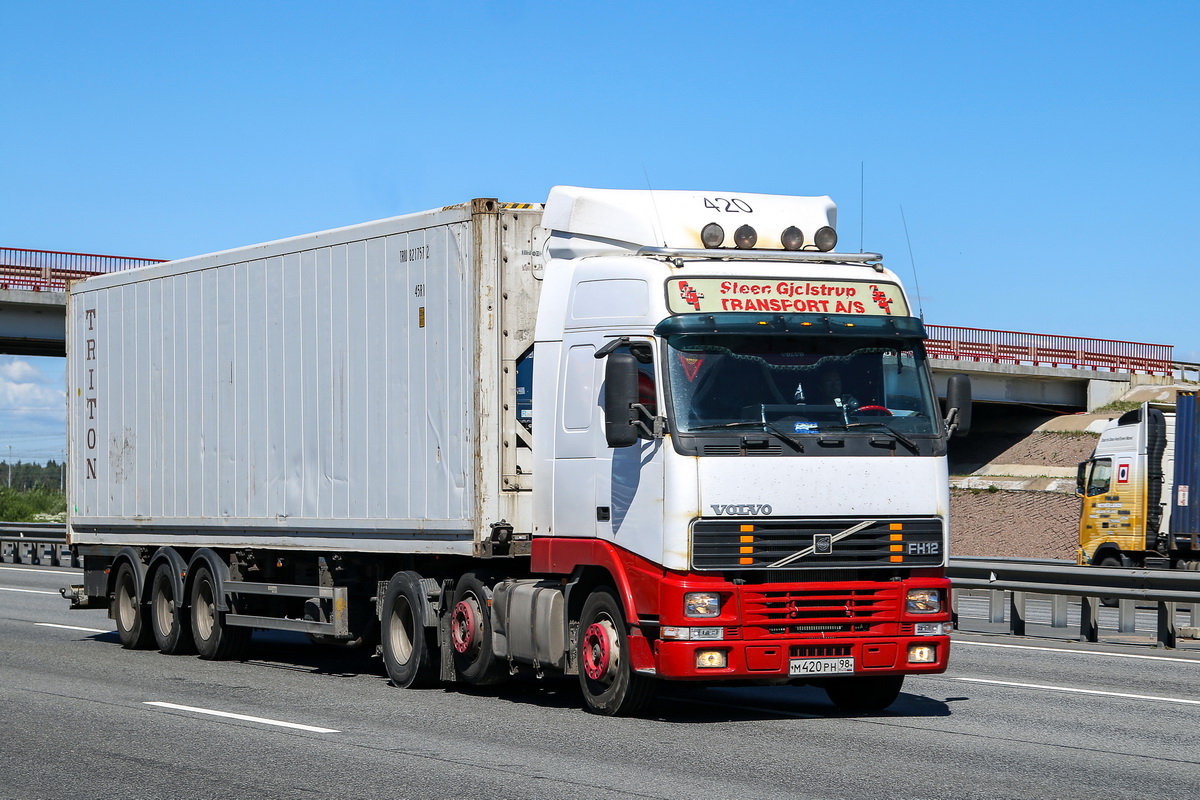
(1013, 718)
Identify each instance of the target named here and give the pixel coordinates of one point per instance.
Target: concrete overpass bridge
(1066, 373)
(33, 300)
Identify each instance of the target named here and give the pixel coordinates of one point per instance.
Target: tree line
(26, 477)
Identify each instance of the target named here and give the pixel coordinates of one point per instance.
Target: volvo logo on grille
(822, 544)
(744, 510)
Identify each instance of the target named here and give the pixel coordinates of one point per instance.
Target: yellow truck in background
(1139, 509)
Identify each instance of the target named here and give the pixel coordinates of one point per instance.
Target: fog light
(922, 654)
(825, 239)
(711, 659)
(792, 238)
(701, 604)
(712, 235)
(745, 237)
(924, 601)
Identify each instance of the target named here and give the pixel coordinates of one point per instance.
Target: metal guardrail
(1017, 347)
(42, 543)
(1009, 582)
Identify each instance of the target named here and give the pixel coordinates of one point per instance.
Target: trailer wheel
(610, 686)
(872, 693)
(215, 641)
(408, 646)
(471, 633)
(128, 613)
(172, 627)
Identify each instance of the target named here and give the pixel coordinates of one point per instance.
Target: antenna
(862, 202)
(653, 202)
(911, 260)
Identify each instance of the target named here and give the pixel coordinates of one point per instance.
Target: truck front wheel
(215, 641)
(408, 647)
(610, 686)
(128, 613)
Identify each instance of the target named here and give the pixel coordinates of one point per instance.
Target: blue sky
(1044, 154)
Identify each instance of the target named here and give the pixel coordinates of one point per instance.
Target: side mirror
(1081, 478)
(620, 393)
(958, 404)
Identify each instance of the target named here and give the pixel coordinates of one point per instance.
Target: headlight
(924, 601)
(701, 604)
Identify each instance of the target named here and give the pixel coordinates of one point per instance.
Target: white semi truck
(631, 436)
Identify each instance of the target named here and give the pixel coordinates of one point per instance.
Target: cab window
(1100, 477)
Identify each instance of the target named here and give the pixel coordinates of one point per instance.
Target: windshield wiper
(900, 437)
(757, 425)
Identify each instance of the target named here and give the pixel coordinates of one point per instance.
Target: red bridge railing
(1040, 349)
(50, 270)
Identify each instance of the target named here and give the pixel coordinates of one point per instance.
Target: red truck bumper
(799, 659)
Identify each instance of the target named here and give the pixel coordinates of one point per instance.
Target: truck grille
(845, 609)
(759, 544)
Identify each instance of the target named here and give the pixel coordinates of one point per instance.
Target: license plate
(821, 666)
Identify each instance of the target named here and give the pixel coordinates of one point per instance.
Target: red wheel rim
(597, 651)
(463, 626)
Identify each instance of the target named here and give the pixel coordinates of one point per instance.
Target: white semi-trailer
(634, 436)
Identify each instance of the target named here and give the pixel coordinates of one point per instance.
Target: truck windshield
(797, 384)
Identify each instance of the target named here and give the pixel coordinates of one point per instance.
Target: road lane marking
(243, 717)
(72, 627)
(76, 573)
(1074, 690)
(958, 642)
(28, 591)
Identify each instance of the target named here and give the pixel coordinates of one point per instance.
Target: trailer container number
(821, 666)
(731, 205)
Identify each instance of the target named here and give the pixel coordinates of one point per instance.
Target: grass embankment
(34, 505)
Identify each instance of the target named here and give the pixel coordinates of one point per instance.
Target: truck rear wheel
(172, 628)
(870, 693)
(408, 646)
(215, 641)
(606, 676)
(471, 633)
(128, 613)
